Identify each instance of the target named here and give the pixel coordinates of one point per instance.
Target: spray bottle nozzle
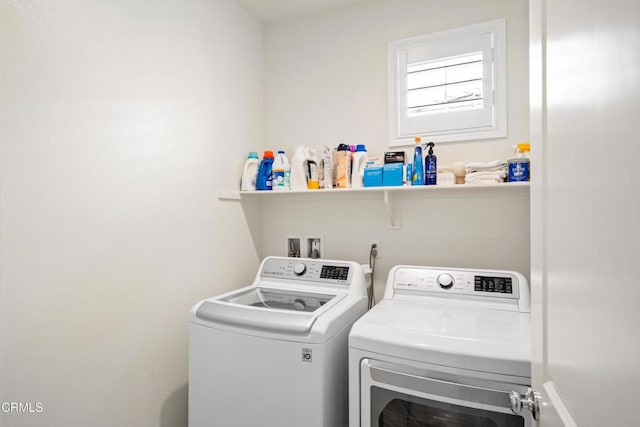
(430, 145)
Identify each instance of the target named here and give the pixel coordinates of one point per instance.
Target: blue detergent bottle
(417, 178)
(431, 167)
(264, 180)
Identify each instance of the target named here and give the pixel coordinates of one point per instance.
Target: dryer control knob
(445, 281)
(299, 269)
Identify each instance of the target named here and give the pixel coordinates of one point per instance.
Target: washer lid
(279, 299)
(450, 335)
(278, 310)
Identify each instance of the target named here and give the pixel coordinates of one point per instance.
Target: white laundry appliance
(275, 353)
(444, 347)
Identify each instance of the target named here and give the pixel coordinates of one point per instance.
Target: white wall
(115, 115)
(326, 74)
(483, 230)
(326, 82)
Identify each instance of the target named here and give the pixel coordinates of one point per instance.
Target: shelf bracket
(228, 195)
(393, 211)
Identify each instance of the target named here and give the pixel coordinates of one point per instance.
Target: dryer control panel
(312, 270)
(485, 283)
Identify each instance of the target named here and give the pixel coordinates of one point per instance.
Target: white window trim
(498, 127)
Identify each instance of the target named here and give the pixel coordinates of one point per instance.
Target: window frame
(488, 122)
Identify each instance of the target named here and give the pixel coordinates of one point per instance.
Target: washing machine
(275, 353)
(444, 347)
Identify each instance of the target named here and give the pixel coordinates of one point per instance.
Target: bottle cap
(524, 147)
(252, 155)
(268, 155)
(361, 147)
(343, 147)
(280, 152)
(417, 140)
(352, 148)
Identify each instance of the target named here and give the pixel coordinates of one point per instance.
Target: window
(449, 86)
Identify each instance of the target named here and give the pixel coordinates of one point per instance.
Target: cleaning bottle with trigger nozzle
(417, 178)
(431, 166)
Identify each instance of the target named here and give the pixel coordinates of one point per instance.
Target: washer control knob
(299, 269)
(445, 281)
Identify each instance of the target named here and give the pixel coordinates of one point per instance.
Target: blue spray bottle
(431, 166)
(417, 178)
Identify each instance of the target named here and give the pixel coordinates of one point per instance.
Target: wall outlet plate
(314, 247)
(294, 246)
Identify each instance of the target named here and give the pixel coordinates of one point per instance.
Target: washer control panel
(307, 270)
(499, 284)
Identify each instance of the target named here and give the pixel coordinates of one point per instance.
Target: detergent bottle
(250, 172)
(352, 150)
(300, 168)
(418, 172)
(343, 166)
(359, 161)
(518, 168)
(264, 180)
(281, 172)
(313, 170)
(326, 169)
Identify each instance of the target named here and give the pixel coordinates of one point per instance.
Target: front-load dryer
(275, 353)
(444, 347)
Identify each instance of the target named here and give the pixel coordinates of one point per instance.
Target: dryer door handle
(528, 401)
(440, 388)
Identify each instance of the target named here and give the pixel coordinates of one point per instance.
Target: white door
(585, 210)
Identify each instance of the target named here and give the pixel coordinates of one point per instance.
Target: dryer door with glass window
(393, 396)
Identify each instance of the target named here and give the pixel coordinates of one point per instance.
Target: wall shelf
(389, 195)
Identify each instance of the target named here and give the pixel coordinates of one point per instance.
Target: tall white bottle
(359, 161)
(281, 173)
(250, 172)
(326, 168)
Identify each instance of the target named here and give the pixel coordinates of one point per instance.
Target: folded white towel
(484, 181)
(485, 177)
(483, 166)
(496, 169)
(487, 174)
